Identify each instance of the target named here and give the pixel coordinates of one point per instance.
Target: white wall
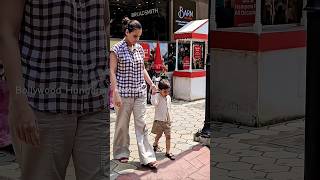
(189, 89)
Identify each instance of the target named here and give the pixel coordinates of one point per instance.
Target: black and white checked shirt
(130, 67)
(63, 46)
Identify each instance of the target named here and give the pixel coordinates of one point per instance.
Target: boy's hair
(163, 84)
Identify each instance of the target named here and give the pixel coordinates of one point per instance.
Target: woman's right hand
(23, 122)
(117, 99)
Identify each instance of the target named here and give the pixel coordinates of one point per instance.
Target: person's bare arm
(21, 115)
(113, 79)
(149, 81)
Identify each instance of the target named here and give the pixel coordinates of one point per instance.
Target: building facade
(159, 18)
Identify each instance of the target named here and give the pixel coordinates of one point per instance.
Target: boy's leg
(91, 147)
(157, 131)
(156, 139)
(121, 138)
(145, 149)
(168, 142)
(167, 133)
(51, 159)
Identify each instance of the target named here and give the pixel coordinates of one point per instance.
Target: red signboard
(186, 63)
(245, 11)
(146, 49)
(197, 51)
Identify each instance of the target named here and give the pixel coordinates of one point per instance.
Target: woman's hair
(163, 84)
(131, 25)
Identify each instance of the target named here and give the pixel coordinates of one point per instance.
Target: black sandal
(170, 156)
(150, 165)
(156, 148)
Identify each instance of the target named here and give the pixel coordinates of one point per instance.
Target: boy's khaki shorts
(160, 127)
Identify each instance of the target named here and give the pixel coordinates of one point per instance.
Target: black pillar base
(312, 123)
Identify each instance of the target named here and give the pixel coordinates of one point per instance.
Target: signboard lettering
(245, 11)
(145, 12)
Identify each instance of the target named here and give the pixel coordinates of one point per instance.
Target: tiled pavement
(238, 152)
(188, 119)
(269, 153)
(192, 160)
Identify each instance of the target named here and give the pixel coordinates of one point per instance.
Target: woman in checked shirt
(128, 82)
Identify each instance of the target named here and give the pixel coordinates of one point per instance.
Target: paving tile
(204, 158)
(182, 146)
(234, 146)
(264, 132)
(205, 171)
(233, 166)
(265, 149)
(217, 134)
(197, 176)
(219, 150)
(247, 174)
(245, 153)
(292, 162)
(112, 165)
(218, 171)
(282, 128)
(224, 158)
(268, 168)
(297, 170)
(281, 154)
(196, 163)
(225, 140)
(123, 166)
(258, 160)
(285, 176)
(234, 130)
(299, 124)
(225, 177)
(245, 136)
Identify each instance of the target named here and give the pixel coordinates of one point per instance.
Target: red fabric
(158, 60)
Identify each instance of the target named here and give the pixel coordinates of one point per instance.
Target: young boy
(162, 118)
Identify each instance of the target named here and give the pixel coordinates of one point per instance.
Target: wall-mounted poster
(281, 11)
(150, 52)
(171, 63)
(184, 56)
(244, 12)
(146, 49)
(231, 13)
(198, 55)
(184, 11)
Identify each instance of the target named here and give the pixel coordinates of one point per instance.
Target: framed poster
(198, 55)
(245, 12)
(281, 11)
(184, 11)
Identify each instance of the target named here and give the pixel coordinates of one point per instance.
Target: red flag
(157, 60)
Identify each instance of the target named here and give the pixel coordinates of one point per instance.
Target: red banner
(245, 11)
(146, 49)
(197, 51)
(186, 63)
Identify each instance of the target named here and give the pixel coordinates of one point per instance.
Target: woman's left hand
(154, 89)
